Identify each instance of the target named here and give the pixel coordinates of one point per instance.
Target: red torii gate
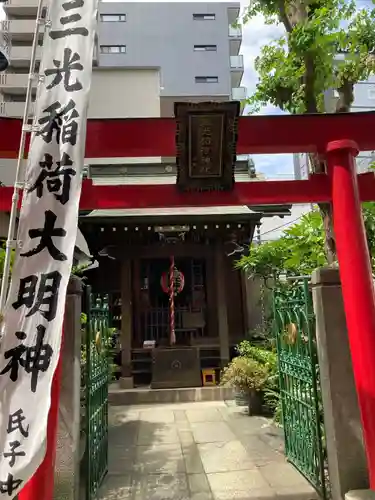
(337, 137)
(148, 137)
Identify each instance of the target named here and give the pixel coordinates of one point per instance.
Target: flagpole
(18, 184)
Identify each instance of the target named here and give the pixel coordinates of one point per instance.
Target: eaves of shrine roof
(236, 212)
(251, 212)
(141, 180)
(174, 211)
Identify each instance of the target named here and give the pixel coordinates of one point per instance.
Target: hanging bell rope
(171, 302)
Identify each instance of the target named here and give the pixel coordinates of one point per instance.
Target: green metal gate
(96, 380)
(302, 409)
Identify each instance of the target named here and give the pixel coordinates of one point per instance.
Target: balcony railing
(236, 62)
(13, 80)
(20, 29)
(21, 7)
(4, 51)
(235, 31)
(239, 93)
(14, 109)
(21, 3)
(20, 56)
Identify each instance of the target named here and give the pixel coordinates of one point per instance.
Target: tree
(300, 250)
(368, 210)
(327, 45)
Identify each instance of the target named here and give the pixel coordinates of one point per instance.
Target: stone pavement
(197, 451)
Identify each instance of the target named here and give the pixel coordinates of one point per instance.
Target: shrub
(245, 374)
(271, 389)
(265, 357)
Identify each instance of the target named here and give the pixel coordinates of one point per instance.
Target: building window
(204, 17)
(113, 18)
(205, 48)
(113, 49)
(206, 79)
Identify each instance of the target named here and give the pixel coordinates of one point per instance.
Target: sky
(255, 35)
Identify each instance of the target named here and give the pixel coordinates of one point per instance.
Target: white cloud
(256, 34)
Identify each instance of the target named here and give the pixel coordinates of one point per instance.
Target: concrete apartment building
(364, 100)
(192, 45)
(148, 54)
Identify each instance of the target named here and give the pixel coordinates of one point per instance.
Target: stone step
(141, 396)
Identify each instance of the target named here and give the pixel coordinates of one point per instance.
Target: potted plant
(249, 377)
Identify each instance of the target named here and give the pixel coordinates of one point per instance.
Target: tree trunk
(309, 83)
(346, 97)
(330, 242)
(291, 14)
(318, 167)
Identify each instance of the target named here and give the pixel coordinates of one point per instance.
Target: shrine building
(137, 249)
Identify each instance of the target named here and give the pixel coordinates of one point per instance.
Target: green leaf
(314, 32)
(300, 249)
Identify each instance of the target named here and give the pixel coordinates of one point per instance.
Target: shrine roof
(138, 180)
(174, 211)
(229, 213)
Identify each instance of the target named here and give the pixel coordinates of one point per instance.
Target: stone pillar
(68, 450)
(253, 305)
(247, 302)
(222, 315)
(346, 455)
(126, 380)
(360, 495)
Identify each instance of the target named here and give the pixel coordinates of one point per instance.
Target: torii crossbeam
(337, 137)
(150, 137)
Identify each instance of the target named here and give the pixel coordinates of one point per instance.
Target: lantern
(179, 281)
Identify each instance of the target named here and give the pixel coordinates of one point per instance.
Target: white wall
(301, 166)
(8, 171)
(124, 93)
(114, 94)
(272, 228)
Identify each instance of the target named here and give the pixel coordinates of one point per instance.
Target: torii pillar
(357, 283)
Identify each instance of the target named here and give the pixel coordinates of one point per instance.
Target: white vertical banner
(34, 312)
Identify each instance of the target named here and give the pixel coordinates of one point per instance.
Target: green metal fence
(302, 409)
(96, 393)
